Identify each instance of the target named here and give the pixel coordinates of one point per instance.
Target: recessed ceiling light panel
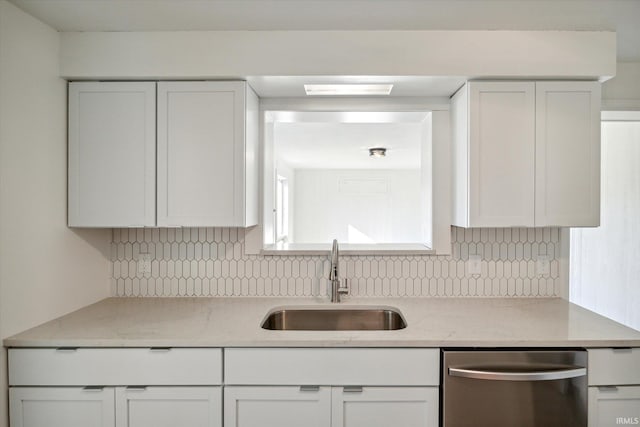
(340, 89)
(377, 152)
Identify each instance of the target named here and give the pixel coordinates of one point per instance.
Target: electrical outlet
(543, 265)
(474, 265)
(144, 264)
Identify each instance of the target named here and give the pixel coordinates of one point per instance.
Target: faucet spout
(335, 289)
(333, 273)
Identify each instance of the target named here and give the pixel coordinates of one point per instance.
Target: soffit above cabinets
(385, 15)
(237, 55)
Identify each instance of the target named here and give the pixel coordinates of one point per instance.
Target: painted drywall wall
(201, 54)
(357, 206)
(46, 269)
(623, 91)
(604, 267)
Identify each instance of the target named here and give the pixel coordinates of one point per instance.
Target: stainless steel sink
(338, 319)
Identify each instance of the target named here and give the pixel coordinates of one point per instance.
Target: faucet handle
(344, 287)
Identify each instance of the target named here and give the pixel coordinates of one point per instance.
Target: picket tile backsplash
(194, 262)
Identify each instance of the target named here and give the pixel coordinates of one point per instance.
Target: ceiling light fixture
(377, 152)
(339, 89)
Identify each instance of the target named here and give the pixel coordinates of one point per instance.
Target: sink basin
(334, 319)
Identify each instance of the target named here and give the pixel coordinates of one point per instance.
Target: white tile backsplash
(207, 262)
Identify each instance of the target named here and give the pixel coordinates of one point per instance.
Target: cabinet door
(567, 154)
(201, 134)
(169, 406)
(277, 406)
(112, 154)
(61, 407)
(614, 406)
(384, 406)
(501, 154)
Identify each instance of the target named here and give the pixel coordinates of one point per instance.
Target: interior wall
(46, 269)
(354, 205)
(604, 266)
(623, 91)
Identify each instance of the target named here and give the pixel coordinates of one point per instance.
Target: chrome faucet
(336, 289)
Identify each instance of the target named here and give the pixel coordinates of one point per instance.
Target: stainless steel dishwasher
(493, 388)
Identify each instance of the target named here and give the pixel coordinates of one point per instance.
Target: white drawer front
(115, 366)
(614, 406)
(614, 366)
(332, 366)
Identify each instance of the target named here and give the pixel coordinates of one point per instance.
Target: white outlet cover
(474, 265)
(144, 263)
(543, 267)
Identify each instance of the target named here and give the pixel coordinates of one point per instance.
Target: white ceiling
(622, 16)
(329, 142)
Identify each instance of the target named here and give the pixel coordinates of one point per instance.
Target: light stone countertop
(235, 322)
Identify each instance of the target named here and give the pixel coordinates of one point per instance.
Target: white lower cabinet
(115, 387)
(116, 406)
(349, 406)
(331, 387)
(384, 406)
(61, 407)
(611, 406)
(288, 406)
(168, 406)
(614, 390)
(183, 387)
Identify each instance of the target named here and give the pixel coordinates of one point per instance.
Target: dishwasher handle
(497, 375)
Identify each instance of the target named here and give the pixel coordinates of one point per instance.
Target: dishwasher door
(514, 388)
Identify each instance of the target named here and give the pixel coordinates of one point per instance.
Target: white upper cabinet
(205, 172)
(112, 154)
(526, 154)
(567, 154)
(494, 141)
(207, 143)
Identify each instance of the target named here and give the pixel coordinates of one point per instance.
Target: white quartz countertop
(235, 322)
